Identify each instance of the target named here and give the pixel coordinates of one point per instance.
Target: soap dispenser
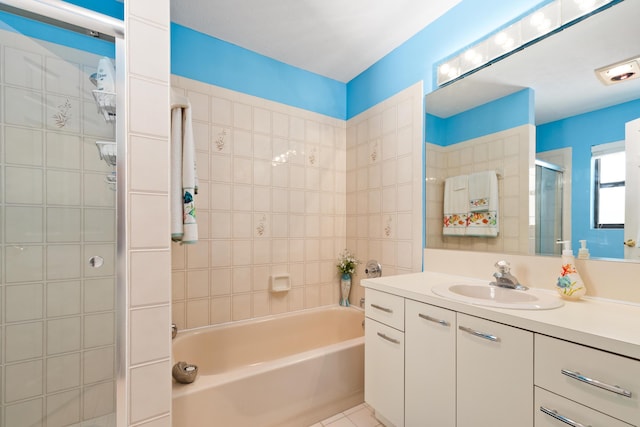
(570, 284)
(583, 252)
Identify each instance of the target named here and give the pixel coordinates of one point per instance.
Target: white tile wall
(145, 376)
(270, 201)
(51, 173)
(384, 185)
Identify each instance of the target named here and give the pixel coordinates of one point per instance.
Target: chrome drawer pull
(385, 309)
(393, 340)
(612, 388)
(433, 319)
(553, 413)
(479, 334)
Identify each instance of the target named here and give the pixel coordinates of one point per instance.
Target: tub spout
(174, 330)
(184, 372)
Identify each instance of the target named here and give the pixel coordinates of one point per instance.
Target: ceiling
(560, 69)
(334, 38)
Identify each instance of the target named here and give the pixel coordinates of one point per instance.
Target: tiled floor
(358, 416)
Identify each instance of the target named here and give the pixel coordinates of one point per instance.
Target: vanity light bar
(528, 29)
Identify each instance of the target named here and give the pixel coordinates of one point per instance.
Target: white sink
(494, 296)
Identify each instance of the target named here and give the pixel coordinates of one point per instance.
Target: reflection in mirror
(549, 94)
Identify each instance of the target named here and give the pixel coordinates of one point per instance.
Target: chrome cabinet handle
(479, 334)
(433, 319)
(553, 413)
(385, 309)
(393, 340)
(612, 388)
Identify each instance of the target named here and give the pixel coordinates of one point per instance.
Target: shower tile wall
(57, 314)
(511, 152)
(271, 201)
(384, 185)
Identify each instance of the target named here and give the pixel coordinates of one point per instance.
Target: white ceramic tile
(242, 225)
(199, 105)
(24, 414)
(201, 136)
(158, 422)
(23, 341)
(147, 106)
(96, 192)
(23, 107)
(107, 252)
(62, 113)
(261, 120)
(23, 185)
(220, 310)
(63, 372)
(149, 164)
(296, 128)
(260, 304)
(63, 298)
(198, 255)
(221, 111)
(150, 391)
(296, 226)
(220, 253)
(220, 225)
(63, 335)
(98, 400)
(262, 147)
(98, 330)
(63, 409)
(23, 146)
(150, 277)
(242, 197)
(241, 252)
(242, 171)
(23, 380)
(22, 68)
(242, 116)
(23, 224)
(220, 168)
(280, 124)
(148, 215)
(23, 263)
(63, 262)
(157, 12)
(312, 179)
(220, 140)
(148, 341)
(240, 307)
(144, 50)
(197, 284)
(63, 188)
(220, 282)
(24, 302)
(99, 225)
(178, 314)
(99, 295)
(197, 313)
(261, 252)
(63, 225)
(62, 77)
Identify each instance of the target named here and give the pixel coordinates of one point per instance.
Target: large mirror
(573, 118)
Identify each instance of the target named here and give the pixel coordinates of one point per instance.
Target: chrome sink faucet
(505, 279)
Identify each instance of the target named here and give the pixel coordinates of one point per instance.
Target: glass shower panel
(58, 239)
(548, 210)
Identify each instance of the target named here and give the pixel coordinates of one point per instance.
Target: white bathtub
(286, 370)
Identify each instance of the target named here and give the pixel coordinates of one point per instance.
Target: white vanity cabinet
(494, 374)
(384, 356)
(608, 383)
(430, 365)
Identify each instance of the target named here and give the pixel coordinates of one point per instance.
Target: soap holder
(280, 282)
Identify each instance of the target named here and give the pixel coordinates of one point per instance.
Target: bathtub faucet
(174, 330)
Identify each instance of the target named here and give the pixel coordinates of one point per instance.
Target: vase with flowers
(347, 263)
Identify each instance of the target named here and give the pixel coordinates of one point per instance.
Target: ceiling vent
(622, 71)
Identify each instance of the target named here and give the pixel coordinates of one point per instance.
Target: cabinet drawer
(552, 410)
(385, 308)
(603, 381)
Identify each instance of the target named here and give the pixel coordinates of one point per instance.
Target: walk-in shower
(549, 200)
(58, 241)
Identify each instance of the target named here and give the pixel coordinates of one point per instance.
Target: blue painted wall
(207, 59)
(581, 132)
(505, 113)
(112, 8)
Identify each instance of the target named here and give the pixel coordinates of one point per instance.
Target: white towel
(483, 204)
(184, 180)
(456, 202)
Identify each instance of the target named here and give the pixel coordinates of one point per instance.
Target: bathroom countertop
(612, 326)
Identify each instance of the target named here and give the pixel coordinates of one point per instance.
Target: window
(608, 165)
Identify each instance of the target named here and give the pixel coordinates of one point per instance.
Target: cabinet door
(384, 371)
(430, 366)
(495, 374)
